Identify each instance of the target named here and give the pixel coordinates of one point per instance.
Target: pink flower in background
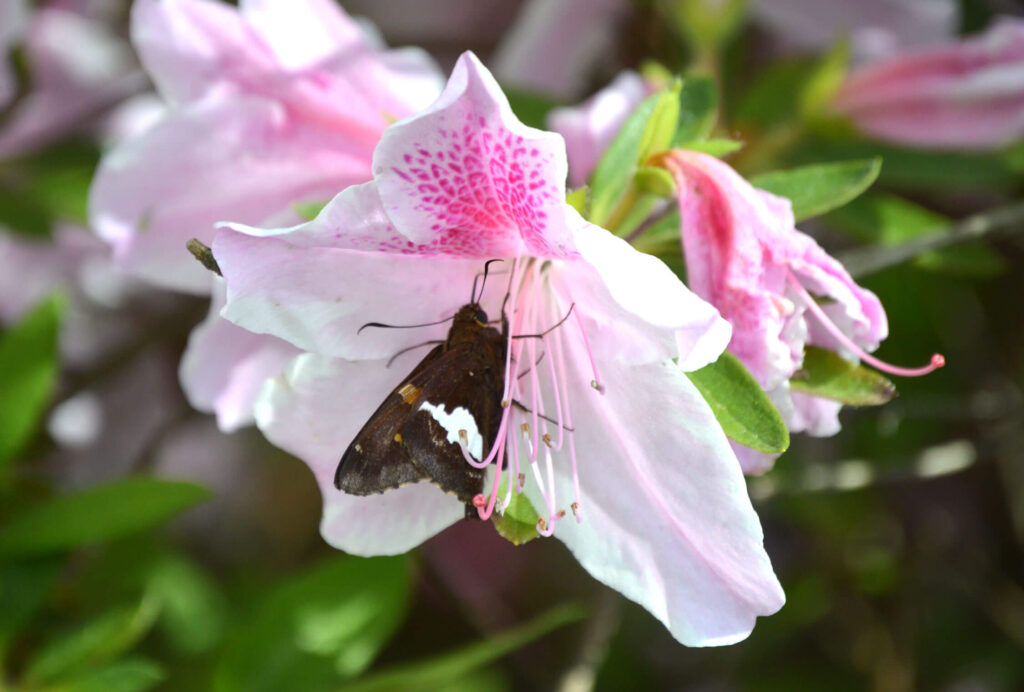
(556, 46)
(964, 95)
(875, 28)
(591, 126)
(269, 105)
(634, 474)
(745, 256)
(79, 69)
(13, 17)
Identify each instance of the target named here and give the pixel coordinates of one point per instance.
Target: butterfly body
(452, 397)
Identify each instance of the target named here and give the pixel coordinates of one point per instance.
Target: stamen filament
(937, 361)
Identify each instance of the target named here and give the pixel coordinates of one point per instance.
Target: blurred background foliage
(161, 554)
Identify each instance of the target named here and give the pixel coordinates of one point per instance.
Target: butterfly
(452, 397)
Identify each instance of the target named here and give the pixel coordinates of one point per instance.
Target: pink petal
(556, 46)
(318, 298)
(875, 27)
(814, 415)
(241, 159)
(314, 411)
(648, 291)
(302, 33)
(968, 94)
(753, 462)
(666, 517)
(224, 366)
(591, 126)
(467, 167)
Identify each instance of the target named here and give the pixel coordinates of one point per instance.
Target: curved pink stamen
(937, 361)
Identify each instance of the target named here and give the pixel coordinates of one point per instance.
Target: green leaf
(308, 210)
(618, 165)
(28, 372)
(741, 407)
(323, 626)
(444, 670)
(824, 80)
(820, 188)
(24, 215)
(827, 374)
(98, 514)
(656, 181)
(698, 110)
(577, 199)
(92, 644)
(714, 147)
(134, 674)
(889, 220)
(661, 127)
(705, 25)
(23, 590)
(192, 610)
(532, 109)
(518, 523)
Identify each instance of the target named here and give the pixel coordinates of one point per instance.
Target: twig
(870, 260)
(597, 635)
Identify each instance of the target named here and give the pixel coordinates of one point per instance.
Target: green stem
(865, 261)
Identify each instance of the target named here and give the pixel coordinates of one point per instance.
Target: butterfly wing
(460, 392)
(377, 459)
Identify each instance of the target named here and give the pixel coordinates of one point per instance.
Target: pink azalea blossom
(875, 28)
(266, 106)
(629, 468)
(269, 105)
(964, 95)
(745, 256)
(556, 46)
(591, 126)
(79, 69)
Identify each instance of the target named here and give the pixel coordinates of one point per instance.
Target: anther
(547, 440)
(575, 507)
(541, 524)
(525, 427)
(561, 513)
(505, 403)
(597, 385)
(464, 437)
(522, 481)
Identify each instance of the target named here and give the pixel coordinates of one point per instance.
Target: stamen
(937, 360)
(596, 382)
(547, 440)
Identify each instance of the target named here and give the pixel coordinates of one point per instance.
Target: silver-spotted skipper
(455, 392)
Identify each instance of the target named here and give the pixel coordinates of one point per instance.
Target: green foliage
(133, 674)
(23, 589)
(28, 372)
(618, 164)
(577, 199)
(793, 91)
(714, 147)
(889, 220)
(96, 642)
(698, 110)
(706, 25)
(318, 628)
(826, 374)
(741, 407)
(192, 609)
(95, 515)
(309, 210)
(518, 523)
(38, 190)
(444, 671)
(655, 181)
(817, 189)
(532, 109)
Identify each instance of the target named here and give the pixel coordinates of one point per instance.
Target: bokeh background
(898, 541)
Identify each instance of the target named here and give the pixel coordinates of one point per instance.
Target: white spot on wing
(459, 419)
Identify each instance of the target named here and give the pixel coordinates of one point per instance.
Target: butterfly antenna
(473, 297)
(549, 329)
(402, 326)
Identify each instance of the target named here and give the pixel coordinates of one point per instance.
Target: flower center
(536, 426)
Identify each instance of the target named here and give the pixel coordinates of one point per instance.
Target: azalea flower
(745, 256)
(268, 106)
(964, 95)
(617, 451)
